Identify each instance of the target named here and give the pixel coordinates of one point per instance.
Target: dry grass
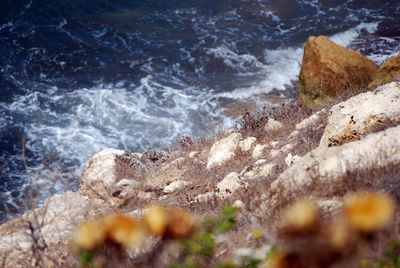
(191, 156)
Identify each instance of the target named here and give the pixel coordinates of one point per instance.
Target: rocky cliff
(274, 158)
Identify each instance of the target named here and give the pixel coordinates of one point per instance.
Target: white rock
(230, 184)
(353, 119)
(247, 144)
(294, 135)
(138, 156)
(57, 218)
(291, 159)
(177, 162)
(99, 175)
(260, 162)
(258, 253)
(205, 197)
(273, 125)
(329, 206)
(168, 173)
(99, 171)
(325, 170)
(274, 144)
(287, 148)
(248, 174)
(274, 153)
(144, 195)
(238, 204)
(258, 151)
(194, 154)
(265, 170)
(311, 121)
(172, 187)
(123, 188)
(257, 171)
(223, 150)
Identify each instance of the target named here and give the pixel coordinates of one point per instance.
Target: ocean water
(83, 75)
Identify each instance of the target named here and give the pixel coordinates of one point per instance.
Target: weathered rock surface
(291, 159)
(247, 144)
(325, 174)
(176, 185)
(54, 223)
(362, 114)
(154, 156)
(99, 175)
(258, 151)
(311, 121)
(223, 150)
(123, 188)
(388, 72)
(166, 174)
(258, 170)
(329, 69)
(273, 125)
(230, 184)
(324, 170)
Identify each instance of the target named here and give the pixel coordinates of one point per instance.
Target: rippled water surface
(80, 76)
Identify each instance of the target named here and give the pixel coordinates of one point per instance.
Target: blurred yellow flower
(300, 216)
(156, 220)
(257, 234)
(90, 234)
(125, 231)
(369, 212)
(281, 259)
(364, 263)
(339, 234)
(180, 223)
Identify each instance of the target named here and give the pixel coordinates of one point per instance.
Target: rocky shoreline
(274, 158)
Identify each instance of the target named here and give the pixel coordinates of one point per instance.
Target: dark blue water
(79, 76)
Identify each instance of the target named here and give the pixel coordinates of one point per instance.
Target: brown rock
(389, 72)
(329, 69)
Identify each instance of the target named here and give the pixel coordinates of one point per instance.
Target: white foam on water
(380, 59)
(234, 60)
(283, 66)
(74, 126)
(345, 38)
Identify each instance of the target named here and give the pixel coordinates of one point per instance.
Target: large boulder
(105, 170)
(389, 72)
(329, 69)
(362, 114)
(328, 171)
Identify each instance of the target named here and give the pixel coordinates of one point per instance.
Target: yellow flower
(180, 223)
(282, 259)
(156, 220)
(339, 234)
(369, 212)
(257, 234)
(125, 231)
(90, 234)
(300, 216)
(364, 263)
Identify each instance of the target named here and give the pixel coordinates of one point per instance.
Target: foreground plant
(199, 249)
(308, 240)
